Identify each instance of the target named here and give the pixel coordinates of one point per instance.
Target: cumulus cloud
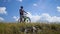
(3, 10)
(55, 19)
(58, 8)
(35, 4)
(45, 17)
(1, 19)
(20, 0)
(34, 18)
(15, 18)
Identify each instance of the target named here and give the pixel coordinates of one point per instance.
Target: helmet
(21, 6)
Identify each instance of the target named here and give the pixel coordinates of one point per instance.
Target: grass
(14, 28)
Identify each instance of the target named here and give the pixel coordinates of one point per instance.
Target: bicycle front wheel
(27, 20)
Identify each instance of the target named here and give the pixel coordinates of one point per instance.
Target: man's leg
(20, 18)
(23, 18)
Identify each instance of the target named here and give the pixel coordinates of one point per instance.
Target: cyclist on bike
(21, 13)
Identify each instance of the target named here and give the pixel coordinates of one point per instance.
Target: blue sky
(37, 9)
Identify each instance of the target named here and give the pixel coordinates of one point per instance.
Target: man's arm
(26, 12)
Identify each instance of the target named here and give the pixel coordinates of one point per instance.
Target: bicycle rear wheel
(19, 21)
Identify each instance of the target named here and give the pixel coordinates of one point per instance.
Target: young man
(21, 14)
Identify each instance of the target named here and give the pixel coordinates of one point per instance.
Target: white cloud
(58, 8)
(20, 0)
(43, 17)
(15, 18)
(55, 19)
(34, 18)
(47, 17)
(3, 10)
(35, 4)
(1, 19)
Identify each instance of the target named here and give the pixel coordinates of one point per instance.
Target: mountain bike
(25, 19)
